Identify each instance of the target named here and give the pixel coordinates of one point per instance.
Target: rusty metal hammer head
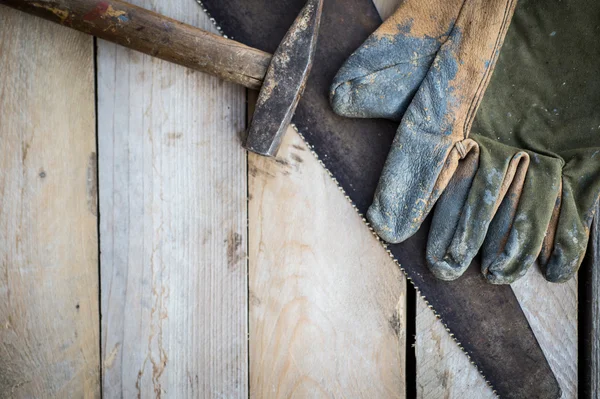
(284, 82)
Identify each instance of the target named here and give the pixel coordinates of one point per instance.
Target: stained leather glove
(436, 117)
(528, 180)
(380, 79)
(541, 112)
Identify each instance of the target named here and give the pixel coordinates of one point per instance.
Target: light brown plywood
(327, 305)
(172, 224)
(49, 317)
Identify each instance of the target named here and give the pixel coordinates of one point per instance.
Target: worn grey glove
(530, 175)
(380, 79)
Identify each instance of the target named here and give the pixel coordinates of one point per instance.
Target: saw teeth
(366, 222)
(214, 22)
(389, 252)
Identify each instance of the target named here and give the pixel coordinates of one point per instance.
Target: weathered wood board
(49, 316)
(172, 225)
(552, 313)
(444, 371)
(327, 305)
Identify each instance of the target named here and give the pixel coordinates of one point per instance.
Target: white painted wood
(327, 304)
(173, 225)
(49, 316)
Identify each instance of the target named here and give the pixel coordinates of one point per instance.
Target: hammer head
(284, 82)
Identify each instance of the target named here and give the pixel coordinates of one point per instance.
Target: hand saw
(499, 342)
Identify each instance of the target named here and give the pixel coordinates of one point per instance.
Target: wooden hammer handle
(154, 34)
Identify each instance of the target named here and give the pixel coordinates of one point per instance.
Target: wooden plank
(327, 305)
(443, 370)
(49, 316)
(173, 225)
(551, 309)
(552, 313)
(386, 7)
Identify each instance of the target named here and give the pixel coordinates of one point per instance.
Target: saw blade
(486, 320)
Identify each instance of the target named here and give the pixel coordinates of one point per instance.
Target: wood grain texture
(552, 313)
(443, 370)
(173, 225)
(327, 305)
(150, 33)
(49, 316)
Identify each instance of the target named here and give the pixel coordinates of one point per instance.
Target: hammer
(281, 77)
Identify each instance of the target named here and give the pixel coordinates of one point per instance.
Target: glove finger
(382, 76)
(423, 156)
(516, 233)
(549, 238)
(415, 173)
(580, 191)
(467, 206)
(448, 211)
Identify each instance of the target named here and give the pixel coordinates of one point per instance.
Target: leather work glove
(380, 79)
(529, 176)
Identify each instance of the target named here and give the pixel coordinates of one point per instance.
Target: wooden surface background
(172, 185)
(221, 275)
(49, 310)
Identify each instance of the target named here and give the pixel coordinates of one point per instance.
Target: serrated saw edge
(366, 222)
